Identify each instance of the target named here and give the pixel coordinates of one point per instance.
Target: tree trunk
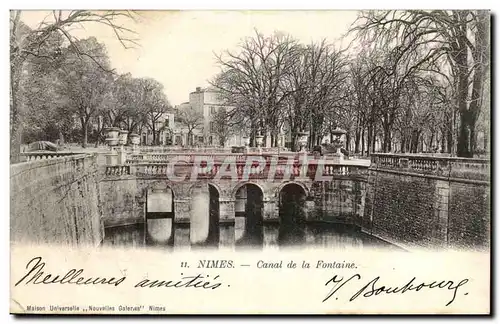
(374, 137)
(357, 137)
(154, 133)
(443, 140)
(85, 127)
(369, 140)
(403, 142)
(465, 137)
(16, 128)
(363, 142)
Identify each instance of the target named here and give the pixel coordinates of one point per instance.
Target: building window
(212, 110)
(211, 127)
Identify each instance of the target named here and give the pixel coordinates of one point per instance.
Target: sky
(177, 47)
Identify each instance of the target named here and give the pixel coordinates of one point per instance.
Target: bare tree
(192, 119)
(251, 80)
(155, 104)
(222, 125)
(453, 44)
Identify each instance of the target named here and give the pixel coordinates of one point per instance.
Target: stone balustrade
(117, 170)
(177, 149)
(192, 156)
(244, 167)
(36, 156)
(448, 167)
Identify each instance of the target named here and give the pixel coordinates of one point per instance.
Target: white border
(185, 4)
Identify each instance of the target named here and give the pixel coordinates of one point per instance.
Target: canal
(248, 231)
(267, 236)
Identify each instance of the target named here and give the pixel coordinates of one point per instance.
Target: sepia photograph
(261, 144)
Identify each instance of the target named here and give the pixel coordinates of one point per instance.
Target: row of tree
(80, 93)
(412, 78)
(63, 88)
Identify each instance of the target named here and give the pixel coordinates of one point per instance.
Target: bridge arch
(210, 184)
(284, 184)
(162, 185)
(241, 184)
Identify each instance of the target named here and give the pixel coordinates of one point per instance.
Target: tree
(154, 102)
(453, 44)
(222, 126)
(84, 83)
(251, 81)
(192, 119)
(27, 43)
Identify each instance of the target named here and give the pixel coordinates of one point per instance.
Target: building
(164, 127)
(206, 103)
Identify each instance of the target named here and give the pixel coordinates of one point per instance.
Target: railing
(453, 167)
(178, 149)
(192, 157)
(240, 169)
(117, 170)
(35, 156)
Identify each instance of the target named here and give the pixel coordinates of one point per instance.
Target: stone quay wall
(428, 202)
(56, 201)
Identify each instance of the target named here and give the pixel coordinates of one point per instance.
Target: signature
(374, 287)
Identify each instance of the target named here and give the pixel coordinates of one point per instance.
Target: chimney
(198, 89)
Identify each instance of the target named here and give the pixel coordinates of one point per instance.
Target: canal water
(248, 231)
(267, 236)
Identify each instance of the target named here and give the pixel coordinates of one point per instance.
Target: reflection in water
(249, 222)
(268, 236)
(292, 229)
(208, 208)
(249, 229)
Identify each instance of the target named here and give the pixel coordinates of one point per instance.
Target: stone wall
(428, 202)
(123, 196)
(56, 201)
(122, 202)
(337, 201)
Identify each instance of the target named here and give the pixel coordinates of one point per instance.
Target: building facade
(207, 104)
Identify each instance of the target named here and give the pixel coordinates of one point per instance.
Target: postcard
(250, 162)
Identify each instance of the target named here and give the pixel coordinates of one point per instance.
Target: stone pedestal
(336, 157)
(111, 158)
(122, 156)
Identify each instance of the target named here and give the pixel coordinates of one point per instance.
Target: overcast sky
(176, 47)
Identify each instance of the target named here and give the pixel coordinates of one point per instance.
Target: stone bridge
(332, 189)
(409, 200)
